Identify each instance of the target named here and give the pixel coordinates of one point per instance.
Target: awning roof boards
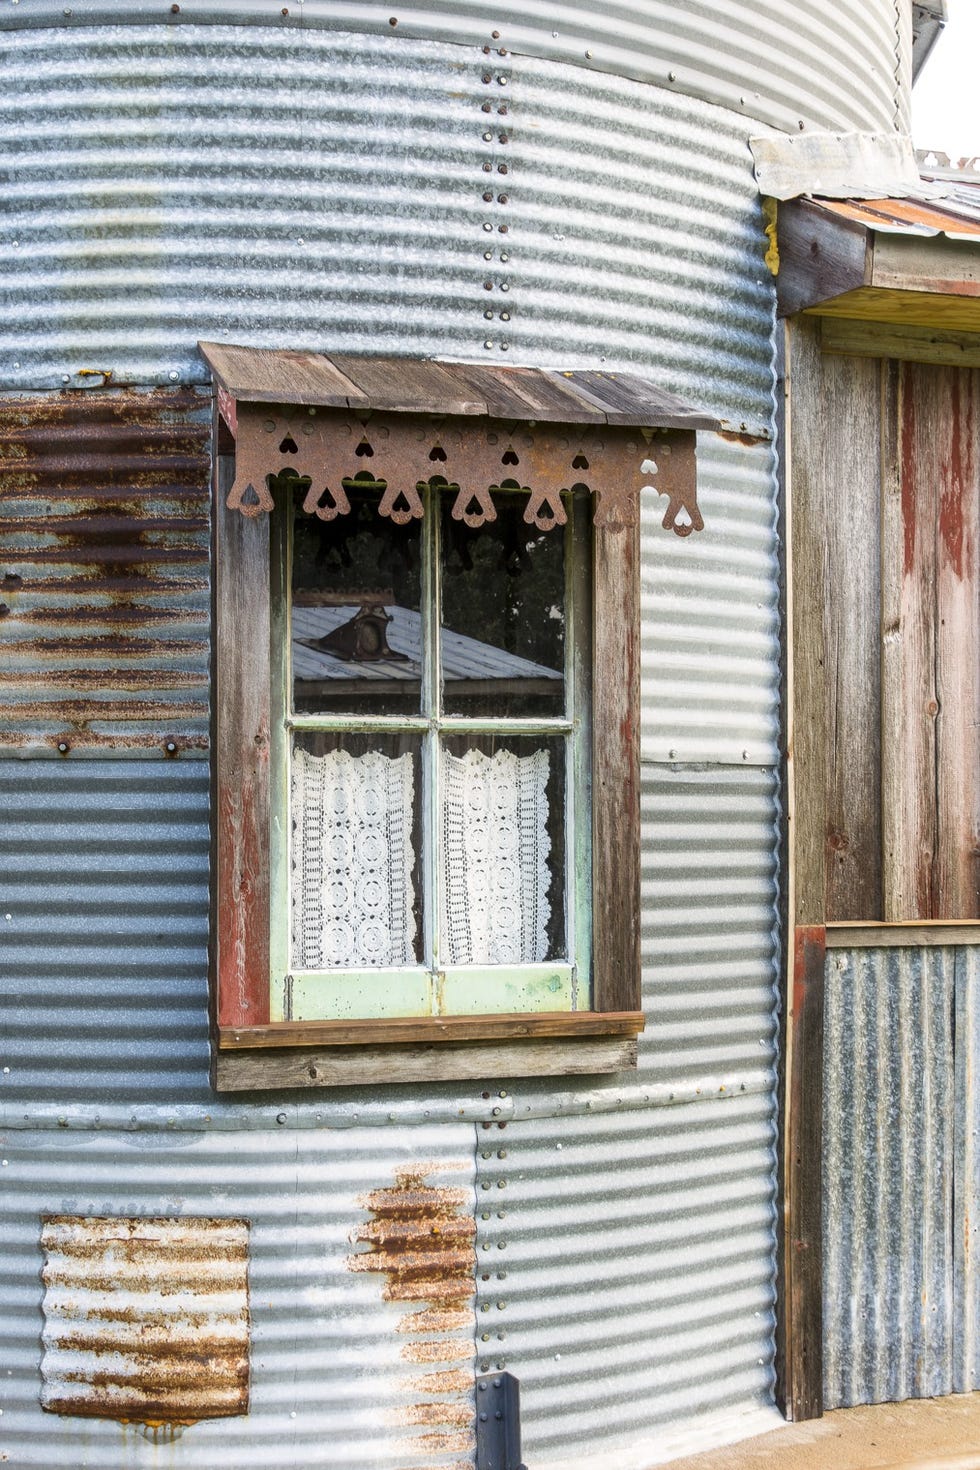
(411, 385)
(913, 261)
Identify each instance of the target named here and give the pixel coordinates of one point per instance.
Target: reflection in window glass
(355, 878)
(503, 614)
(356, 620)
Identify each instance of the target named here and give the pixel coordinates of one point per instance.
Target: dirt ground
(928, 1434)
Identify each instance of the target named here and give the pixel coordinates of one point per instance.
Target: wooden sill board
(267, 1070)
(912, 934)
(431, 1029)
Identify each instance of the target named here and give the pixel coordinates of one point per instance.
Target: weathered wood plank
(852, 672)
(854, 338)
(926, 934)
(529, 393)
(908, 697)
(432, 1028)
(820, 256)
(954, 398)
(807, 434)
(406, 385)
(616, 771)
(912, 308)
(245, 1071)
(930, 263)
(627, 400)
(259, 375)
(803, 1389)
(240, 744)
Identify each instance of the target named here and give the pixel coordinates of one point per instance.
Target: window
(426, 788)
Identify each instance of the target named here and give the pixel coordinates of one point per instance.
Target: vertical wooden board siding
(807, 435)
(851, 499)
(956, 400)
(241, 735)
(909, 703)
(616, 770)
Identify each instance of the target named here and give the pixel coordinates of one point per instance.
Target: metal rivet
(63, 746)
(588, 55)
(487, 78)
(174, 376)
(501, 168)
(503, 346)
(501, 81)
(487, 343)
(504, 138)
(495, 35)
(672, 76)
(503, 198)
(488, 227)
(486, 50)
(503, 229)
(488, 285)
(171, 746)
(488, 137)
(504, 317)
(66, 377)
(505, 285)
(487, 107)
(504, 255)
(393, 20)
(487, 316)
(280, 1117)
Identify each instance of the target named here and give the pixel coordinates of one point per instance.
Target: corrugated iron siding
(104, 930)
(630, 1280)
(146, 218)
(900, 1120)
(709, 617)
(781, 62)
(104, 572)
(145, 1318)
(345, 1374)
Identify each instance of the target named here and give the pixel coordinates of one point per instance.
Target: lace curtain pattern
(353, 857)
(352, 894)
(495, 877)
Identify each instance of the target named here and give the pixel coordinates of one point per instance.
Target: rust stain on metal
(329, 450)
(146, 1319)
(104, 513)
(420, 1240)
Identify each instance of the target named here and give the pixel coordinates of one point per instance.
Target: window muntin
(511, 750)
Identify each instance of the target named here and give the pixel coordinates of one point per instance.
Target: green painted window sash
(437, 990)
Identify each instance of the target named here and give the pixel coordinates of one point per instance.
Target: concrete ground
(928, 1434)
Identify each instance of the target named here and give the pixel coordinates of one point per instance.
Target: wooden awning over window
(396, 423)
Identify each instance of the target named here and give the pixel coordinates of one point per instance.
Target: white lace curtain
(353, 900)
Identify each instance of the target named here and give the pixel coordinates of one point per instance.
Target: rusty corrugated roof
(956, 215)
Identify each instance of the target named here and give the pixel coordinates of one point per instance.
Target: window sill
(430, 1049)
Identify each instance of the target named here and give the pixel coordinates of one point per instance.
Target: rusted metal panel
(322, 448)
(344, 1372)
(104, 617)
(145, 1318)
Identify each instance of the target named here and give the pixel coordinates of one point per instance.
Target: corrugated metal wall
(632, 227)
(332, 1345)
(632, 239)
(789, 63)
(104, 514)
(901, 1117)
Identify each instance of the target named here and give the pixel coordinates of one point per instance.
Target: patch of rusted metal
(104, 514)
(146, 1319)
(420, 1240)
(394, 453)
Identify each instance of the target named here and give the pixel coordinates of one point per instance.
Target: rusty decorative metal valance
(396, 424)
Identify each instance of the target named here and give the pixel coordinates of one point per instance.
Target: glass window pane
(502, 859)
(356, 619)
(503, 613)
(356, 851)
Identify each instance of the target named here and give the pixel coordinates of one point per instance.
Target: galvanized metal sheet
(104, 573)
(788, 64)
(710, 616)
(890, 1294)
(145, 1318)
(361, 1282)
(621, 232)
(708, 915)
(625, 1275)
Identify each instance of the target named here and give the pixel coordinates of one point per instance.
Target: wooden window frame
(249, 1050)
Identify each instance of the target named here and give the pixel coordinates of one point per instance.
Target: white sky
(946, 98)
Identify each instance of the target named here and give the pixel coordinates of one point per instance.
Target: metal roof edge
(839, 166)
